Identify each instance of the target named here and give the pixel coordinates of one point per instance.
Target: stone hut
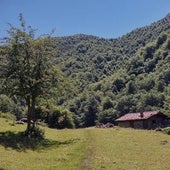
(143, 120)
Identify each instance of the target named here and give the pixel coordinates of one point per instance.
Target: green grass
(85, 149)
(63, 149)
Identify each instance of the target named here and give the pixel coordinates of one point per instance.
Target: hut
(143, 120)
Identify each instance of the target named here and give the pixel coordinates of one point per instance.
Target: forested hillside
(114, 76)
(91, 58)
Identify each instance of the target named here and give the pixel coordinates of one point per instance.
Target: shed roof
(139, 116)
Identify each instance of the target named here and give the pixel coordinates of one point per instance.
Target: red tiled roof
(137, 116)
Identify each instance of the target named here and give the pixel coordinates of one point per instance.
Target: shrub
(167, 130)
(6, 104)
(60, 118)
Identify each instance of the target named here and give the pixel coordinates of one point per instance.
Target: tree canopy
(28, 70)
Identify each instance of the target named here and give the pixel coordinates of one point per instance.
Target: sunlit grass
(131, 149)
(87, 149)
(66, 153)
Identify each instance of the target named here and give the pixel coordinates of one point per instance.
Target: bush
(167, 130)
(60, 118)
(6, 104)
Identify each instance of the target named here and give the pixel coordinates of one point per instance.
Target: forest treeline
(108, 77)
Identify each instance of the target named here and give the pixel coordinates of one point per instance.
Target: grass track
(89, 149)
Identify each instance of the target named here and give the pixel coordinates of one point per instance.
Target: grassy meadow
(84, 149)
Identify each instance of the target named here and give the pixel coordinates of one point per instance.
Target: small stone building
(143, 120)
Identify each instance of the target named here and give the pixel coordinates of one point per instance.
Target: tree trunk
(28, 114)
(30, 117)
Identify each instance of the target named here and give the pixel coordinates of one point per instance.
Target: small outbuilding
(143, 120)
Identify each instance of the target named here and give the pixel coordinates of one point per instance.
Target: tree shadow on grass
(21, 143)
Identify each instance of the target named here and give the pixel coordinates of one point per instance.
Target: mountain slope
(116, 76)
(143, 81)
(90, 59)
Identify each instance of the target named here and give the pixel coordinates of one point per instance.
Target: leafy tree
(125, 104)
(107, 104)
(131, 87)
(154, 100)
(135, 65)
(150, 66)
(6, 104)
(147, 84)
(167, 76)
(118, 84)
(160, 86)
(166, 105)
(161, 40)
(27, 70)
(149, 50)
(60, 118)
(106, 116)
(168, 44)
(91, 110)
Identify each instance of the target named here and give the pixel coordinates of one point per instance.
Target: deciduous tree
(28, 71)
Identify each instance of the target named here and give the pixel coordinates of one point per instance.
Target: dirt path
(87, 162)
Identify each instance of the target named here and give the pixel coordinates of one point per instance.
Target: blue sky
(103, 18)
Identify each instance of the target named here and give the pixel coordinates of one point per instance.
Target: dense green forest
(109, 77)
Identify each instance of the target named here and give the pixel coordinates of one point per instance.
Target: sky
(102, 18)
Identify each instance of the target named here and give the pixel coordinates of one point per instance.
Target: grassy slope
(90, 148)
(66, 152)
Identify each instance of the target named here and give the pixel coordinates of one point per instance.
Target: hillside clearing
(87, 149)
